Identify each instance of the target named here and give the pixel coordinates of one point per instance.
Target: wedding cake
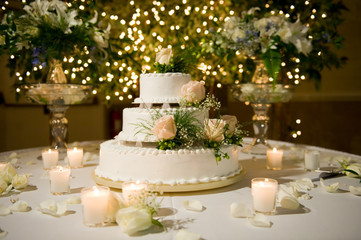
(159, 142)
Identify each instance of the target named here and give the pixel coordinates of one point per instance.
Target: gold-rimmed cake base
(176, 188)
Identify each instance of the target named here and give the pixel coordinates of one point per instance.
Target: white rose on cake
(214, 129)
(193, 91)
(165, 128)
(231, 121)
(163, 56)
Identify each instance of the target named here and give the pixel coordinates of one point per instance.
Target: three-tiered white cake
(133, 156)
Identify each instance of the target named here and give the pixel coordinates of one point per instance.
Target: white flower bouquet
(269, 38)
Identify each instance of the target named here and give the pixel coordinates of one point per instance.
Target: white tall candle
(59, 177)
(50, 158)
(75, 157)
(132, 190)
(95, 205)
(264, 191)
(312, 160)
(274, 159)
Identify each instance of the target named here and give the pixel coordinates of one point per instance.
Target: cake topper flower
(166, 62)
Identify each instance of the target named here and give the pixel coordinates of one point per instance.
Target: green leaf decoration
(272, 62)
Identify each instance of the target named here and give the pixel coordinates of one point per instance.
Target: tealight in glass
(59, 177)
(264, 192)
(95, 202)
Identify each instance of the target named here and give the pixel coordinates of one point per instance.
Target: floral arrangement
(11, 180)
(268, 38)
(164, 62)
(181, 129)
(50, 30)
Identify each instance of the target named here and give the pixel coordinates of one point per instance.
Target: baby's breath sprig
(210, 102)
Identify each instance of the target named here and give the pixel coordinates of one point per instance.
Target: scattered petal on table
(184, 234)
(87, 157)
(14, 161)
(260, 220)
(53, 208)
(3, 233)
(240, 210)
(330, 188)
(13, 155)
(304, 184)
(73, 200)
(4, 211)
(30, 162)
(193, 205)
(355, 190)
(304, 196)
(20, 206)
(289, 202)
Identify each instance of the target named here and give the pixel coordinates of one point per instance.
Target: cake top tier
(161, 87)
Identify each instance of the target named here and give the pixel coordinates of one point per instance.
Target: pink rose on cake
(193, 91)
(231, 121)
(165, 128)
(163, 56)
(214, 129)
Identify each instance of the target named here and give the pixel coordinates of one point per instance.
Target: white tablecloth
(325, 216)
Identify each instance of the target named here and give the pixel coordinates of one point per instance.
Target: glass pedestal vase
(57, 95)
(261, 96)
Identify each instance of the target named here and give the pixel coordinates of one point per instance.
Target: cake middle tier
(133, 117)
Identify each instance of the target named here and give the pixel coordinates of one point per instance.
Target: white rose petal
(4, 211)
(87, 157)
(330, 188)
(193, 205)
(355, 190)
(3, 234)
(304, 196)
(3, 186)
(20, 206)
(31, 162)
(53, 208)
(184, 234)
(289, 202)
(240, 210)
(304, 184)
(73, 200)
(132, 220)
(260, 220)
(13, 155)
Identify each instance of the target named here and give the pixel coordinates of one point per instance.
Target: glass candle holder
(264, 192)
(95, 202)
(274, 159)
(50, 158)
(131, 190)
(59, 177)
(312, 160)
(75, 157)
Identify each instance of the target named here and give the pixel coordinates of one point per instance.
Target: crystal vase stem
(58, 126)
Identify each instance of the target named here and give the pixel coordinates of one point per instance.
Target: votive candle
(274, 159)
(75, 157)
(95, 202)
(50, 158)
(133, 189)
(59, 177)
(312, 160)
(264, 192)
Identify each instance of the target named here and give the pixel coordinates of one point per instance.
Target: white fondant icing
(125, 163)
(161, 87)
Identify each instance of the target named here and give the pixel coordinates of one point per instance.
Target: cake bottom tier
(121, 163)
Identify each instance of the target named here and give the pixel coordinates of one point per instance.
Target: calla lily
(193, 205)
(330, 188)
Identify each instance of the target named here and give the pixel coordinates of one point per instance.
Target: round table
(324, 216)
